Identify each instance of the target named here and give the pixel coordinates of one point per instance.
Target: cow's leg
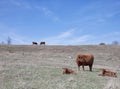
(78, 68)
(83, 67)
(90, 66)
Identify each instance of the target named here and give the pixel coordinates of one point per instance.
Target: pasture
(40, 67)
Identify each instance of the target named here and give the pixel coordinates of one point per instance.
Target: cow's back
(89, 58)
(86, 59)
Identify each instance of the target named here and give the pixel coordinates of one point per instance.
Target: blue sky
(60, 22)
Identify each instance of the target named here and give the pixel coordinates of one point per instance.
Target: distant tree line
(113, 43)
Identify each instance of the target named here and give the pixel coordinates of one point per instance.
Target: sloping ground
(104, 55)
(35, 67)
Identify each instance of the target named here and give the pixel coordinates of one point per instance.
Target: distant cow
(85, 60)
(34, 43)
(42, 43)
(108, 73)
(68, 71)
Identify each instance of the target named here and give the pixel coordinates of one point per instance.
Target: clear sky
(60, 22)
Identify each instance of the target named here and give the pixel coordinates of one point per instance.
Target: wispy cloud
(47, 12)
(107, 38)
(66, 34)
(97, 12)
(6, 31)
(16, 3)
(68, 38)
(15, 38)
(112, 14)
(25, 5)
(112, 34)
(21, 4)
(61, 38)
(50, 13)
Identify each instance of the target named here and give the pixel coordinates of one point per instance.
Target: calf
(68, 71)
(108, 73)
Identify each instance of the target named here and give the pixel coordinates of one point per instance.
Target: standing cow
(85, 60)
(42, 43)
(34, 43)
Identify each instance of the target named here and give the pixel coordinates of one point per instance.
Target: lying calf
(68, 71)
(107, 73)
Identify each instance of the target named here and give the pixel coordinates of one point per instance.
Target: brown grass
(40, 67)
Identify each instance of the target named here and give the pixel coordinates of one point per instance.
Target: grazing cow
(42, 43)
(85, 60)
(107, 73)
(34, 43)
(68, 71)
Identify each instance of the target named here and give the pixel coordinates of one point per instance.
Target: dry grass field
(40, 67)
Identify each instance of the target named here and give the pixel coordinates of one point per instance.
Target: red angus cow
(107, 73)
(68, 71)
(85, 60)
(34, 43)
(42, 43)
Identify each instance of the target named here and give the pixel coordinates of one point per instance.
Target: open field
(40, 67)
